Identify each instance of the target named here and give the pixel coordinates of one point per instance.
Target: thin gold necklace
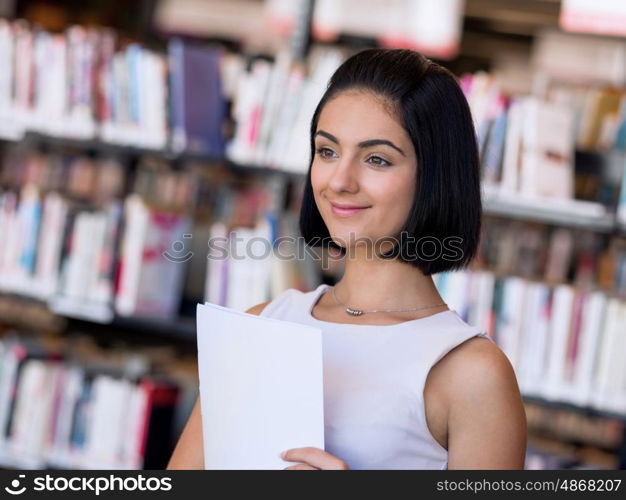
(358, 312)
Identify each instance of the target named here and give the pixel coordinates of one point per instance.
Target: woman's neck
(385, 284)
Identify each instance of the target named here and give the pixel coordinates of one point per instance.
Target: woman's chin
(343, 239)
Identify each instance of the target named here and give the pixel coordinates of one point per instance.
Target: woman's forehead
(360, 116)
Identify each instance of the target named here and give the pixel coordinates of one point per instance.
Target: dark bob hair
(433, 110)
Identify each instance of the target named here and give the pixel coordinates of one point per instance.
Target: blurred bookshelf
(570, 213)
(186, 128)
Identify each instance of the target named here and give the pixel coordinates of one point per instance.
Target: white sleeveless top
(374, 378)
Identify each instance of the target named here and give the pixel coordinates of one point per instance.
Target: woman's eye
(379, 162)
(322, 152)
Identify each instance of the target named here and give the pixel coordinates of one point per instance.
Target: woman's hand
(312, 458)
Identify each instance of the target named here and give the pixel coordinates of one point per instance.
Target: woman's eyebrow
(362, 144)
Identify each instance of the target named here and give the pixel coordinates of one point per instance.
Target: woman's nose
(345, 176)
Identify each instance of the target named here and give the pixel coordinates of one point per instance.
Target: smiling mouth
(346, 210)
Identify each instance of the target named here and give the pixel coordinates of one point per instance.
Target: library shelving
(570, 213)
(247, 159)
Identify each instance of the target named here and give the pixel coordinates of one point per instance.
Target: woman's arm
(486, 416)
(189, 451)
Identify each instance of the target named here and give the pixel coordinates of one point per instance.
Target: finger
(300, 467)
(314, 456)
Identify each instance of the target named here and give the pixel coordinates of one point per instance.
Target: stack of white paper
(261, 388)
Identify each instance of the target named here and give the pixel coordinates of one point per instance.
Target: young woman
(393, 185)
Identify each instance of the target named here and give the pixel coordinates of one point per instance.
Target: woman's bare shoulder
(479, 358)
(484, 407)
(480, 367)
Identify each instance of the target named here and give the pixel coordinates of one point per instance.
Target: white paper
(261, 388)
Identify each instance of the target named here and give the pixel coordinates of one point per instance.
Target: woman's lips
(346, 210)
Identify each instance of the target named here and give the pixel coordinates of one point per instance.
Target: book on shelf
(529, 148)
(246, 268)
(552, 153)
(600, 119)
(561, 327)
(87, 266)
(136, 103)
(50, 80)
(197, 100)
(583, 16)
(58, 412)
(431, 28)
(559, 255)
(247, 109)
(253, 251)
(77, 241)
(151, 265)
(129, 95)
(282, 87)
(533, 353)
(277, 131)
(583, 364)
(217, 266)
(563, 342)
(249, 266)
(547, 151)
(579, 59)
(62, 237)
(85, 84)
(553, 254)
(609, 393)
(56, 243)
(272, 108)
(493, 149)
(323, 63)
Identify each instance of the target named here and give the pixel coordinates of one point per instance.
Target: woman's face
(364, 169)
